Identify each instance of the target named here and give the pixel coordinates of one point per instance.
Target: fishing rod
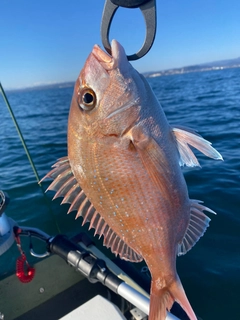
(27, 151)
(20, 134)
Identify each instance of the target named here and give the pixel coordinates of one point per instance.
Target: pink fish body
(123, 174)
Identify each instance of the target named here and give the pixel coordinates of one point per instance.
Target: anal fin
(197, 226)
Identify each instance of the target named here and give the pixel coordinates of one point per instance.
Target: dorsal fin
(66, 186)
(197, 226)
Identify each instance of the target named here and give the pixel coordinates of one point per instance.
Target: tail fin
(159, 304)
(162, 300)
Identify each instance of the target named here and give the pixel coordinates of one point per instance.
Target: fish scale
(124, 162)
(122, 185)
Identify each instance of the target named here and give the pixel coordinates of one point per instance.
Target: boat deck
(55, 290)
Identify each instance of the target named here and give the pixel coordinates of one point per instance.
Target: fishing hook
(148, 9)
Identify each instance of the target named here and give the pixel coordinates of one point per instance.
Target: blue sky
(48, 41)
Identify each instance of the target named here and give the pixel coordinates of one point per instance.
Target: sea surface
(208, 102)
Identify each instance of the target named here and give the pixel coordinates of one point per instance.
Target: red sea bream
(123, 176)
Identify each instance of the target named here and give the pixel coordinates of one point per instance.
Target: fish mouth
(116, 59)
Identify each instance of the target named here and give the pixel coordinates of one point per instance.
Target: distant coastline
(217, 65)
(55, 85)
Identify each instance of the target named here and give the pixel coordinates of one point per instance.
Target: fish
(123, 173)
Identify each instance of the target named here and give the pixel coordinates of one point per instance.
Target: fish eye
(87, 99)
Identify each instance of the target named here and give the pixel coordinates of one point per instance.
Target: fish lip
(106, 60)
(101, 55)
(110, 62)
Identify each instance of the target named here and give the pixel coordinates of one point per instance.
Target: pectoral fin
(153, 159)
(186, 137)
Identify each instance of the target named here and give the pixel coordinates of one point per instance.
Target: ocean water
(208, 102)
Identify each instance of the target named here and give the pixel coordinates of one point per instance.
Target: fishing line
(27, 151)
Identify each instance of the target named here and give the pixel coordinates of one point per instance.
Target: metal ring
(148, 10)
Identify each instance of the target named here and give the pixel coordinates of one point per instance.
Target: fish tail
(180, 297)
(162, 300)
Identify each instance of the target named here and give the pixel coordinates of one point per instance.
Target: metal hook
(33, 253)
(148, 9)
